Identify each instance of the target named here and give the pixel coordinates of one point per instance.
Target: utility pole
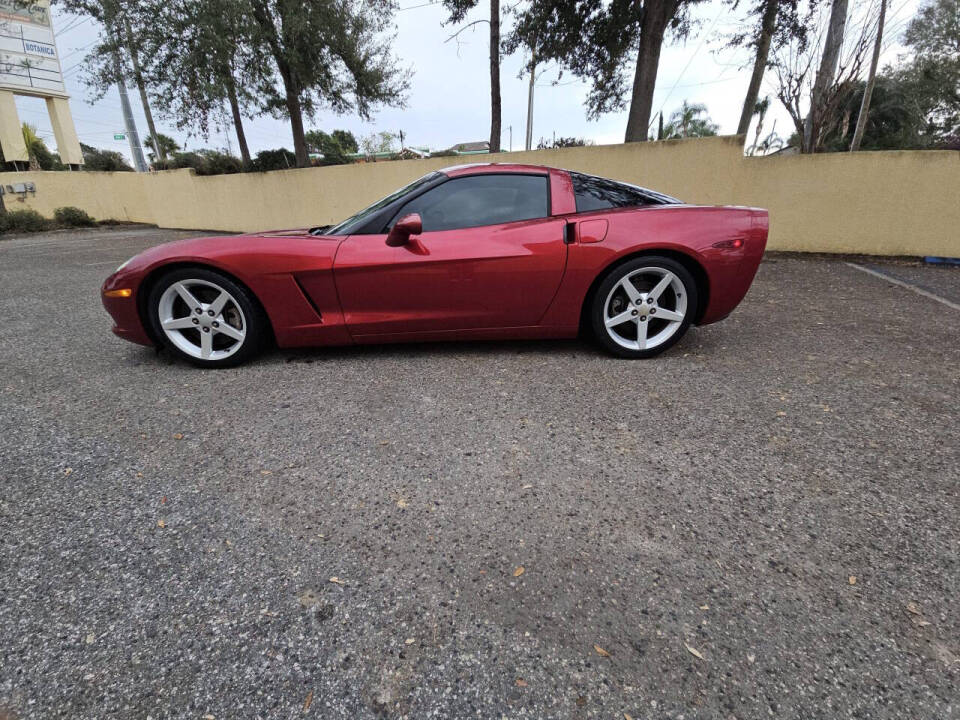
(533, 78)
(136, 150)
(510, 128)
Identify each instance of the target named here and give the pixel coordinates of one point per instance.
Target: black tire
(682, 294)
(242, 314)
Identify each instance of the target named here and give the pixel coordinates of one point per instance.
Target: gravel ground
(762, 523)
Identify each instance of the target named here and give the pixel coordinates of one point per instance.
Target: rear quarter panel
(704, 235)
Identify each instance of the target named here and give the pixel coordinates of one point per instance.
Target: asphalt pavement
(763, 522)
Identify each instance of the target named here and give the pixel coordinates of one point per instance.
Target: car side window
(596, 193)
(478, 200)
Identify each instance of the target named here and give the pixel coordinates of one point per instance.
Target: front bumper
(123, 310)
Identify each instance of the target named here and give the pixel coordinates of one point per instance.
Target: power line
(72, 26)
(687, 66)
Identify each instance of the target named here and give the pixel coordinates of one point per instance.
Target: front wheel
(206, 318)
(643, 306)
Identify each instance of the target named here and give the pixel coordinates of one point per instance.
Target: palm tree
(33, 143)
(688, 122)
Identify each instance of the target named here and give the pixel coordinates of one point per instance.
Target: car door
(489, 256)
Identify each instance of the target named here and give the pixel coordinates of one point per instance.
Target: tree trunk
(238, 121)
(291, 87)
(656, 14)
(295, 110)
(767, 26)
(871, 79)
(494, 76)
(828, 66)
(138, 79)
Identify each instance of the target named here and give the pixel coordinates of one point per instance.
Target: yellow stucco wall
(887, 203)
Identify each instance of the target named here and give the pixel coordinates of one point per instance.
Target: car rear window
(597, 193)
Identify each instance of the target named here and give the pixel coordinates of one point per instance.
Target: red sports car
(471, 252)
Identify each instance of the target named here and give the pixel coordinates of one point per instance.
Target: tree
(596, 42)
(381, 142)
(103, 160)
(32, 142)
(108, 62)
(327, 52)
(814, 99)
(562, 142)
(934, 37)
(200, 66)
(168, 146)
(813, 124)
(458, 10)
(334, 147)
(894, 121)
(779, 22)
(871, 79)
(689, 122)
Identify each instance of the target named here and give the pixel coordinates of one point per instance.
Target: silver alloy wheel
(645, 308)
(202, 319)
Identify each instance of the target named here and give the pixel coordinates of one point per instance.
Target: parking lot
(761, 523)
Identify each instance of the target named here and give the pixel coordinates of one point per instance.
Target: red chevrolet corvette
(471, 252)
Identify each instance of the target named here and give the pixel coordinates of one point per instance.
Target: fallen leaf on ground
(337, 580)
(209, 717)
(161, 523)
(178, 436)
(751, 658)
(626, 716)
(409, 641)
(266, 472)
(402, 503)
(90, 638)
(527, 487)
(853, 580)
(581, 700)
(704, 607)
(68, 471)
(519, 571)
(600, 651)
(693, 651)
(306, 703)
(913, 609)
(521, 682)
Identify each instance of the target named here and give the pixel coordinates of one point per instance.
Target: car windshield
(352, 223)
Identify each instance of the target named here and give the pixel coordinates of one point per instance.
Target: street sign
(119, 136)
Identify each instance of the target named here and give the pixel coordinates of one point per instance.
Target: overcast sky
(449, 98)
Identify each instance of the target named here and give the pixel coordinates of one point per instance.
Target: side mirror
(405, 227)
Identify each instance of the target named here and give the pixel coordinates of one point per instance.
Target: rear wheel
(206, 318)
(643, 306)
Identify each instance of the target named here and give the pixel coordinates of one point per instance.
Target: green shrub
(281, 159)
(73, 217)
(204, 162)
(25, 220)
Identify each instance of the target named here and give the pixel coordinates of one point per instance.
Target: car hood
(258, 252)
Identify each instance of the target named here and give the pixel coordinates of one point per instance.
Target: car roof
(486, 168)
